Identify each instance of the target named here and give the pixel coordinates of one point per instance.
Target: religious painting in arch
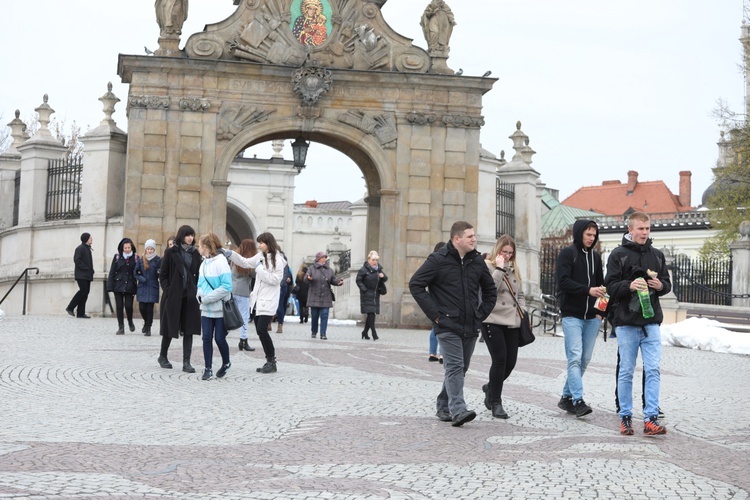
(311, 21)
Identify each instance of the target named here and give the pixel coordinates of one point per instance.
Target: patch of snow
(705, 334)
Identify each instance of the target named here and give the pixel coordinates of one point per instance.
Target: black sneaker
(207, 374)
(463, 417)
(269, 367)
(223, 370)
(566, 404)
(444, 415)
(581, 408)
(661, 415)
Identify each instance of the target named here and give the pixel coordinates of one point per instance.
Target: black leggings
(261, 328)
(370, 324)
(147, 313)
(124, 300)
(502, 342)
(187, 346)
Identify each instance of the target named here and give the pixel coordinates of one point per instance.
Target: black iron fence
(505, 216)
(699, 281)
(345, 261)
(63, 189)
(547, 259)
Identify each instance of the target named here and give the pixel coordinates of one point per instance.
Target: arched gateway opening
(409, 124)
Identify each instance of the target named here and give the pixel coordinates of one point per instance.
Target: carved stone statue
(171, 15)
(437, 25)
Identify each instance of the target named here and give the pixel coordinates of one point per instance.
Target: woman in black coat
(180, 311)
(300, 291)
(121, 281)
(371, 281)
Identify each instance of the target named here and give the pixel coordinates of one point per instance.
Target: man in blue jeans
(580, 279)
(636, 266)
(455, 290)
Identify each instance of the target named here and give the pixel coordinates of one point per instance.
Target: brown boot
(280, 328)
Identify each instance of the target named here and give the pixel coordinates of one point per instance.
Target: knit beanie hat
(151, 244)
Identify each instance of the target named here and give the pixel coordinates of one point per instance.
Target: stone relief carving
(420, 118)
(194, 104)
(310, 83)
(382, 126)
(464, 121)
(348, 34)
(149, 101)
(234, 118)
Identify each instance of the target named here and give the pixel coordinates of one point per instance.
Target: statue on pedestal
(437, 25)
(171, 15)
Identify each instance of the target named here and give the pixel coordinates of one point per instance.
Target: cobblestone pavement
(87, 414)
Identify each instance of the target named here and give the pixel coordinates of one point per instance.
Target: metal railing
(505, 214)
(64, 189)
(25, 276)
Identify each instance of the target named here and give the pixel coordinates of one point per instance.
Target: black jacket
(454, 291)
(84, 263)
(179, 281)
(121, 277)
(626, 263)
(576, 271)
(367, 282)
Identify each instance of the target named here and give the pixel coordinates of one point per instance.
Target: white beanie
(151, 243)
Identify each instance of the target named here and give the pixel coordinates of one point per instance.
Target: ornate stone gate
(410, 125)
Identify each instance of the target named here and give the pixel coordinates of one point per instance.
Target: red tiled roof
(612, 198)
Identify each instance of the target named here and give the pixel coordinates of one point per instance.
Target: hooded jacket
(626, 263)
(454, 291)
(576, 271)
(121, 277)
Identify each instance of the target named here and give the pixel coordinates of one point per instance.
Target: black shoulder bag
(527, 336)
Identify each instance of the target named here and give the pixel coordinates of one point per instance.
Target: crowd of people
(463, 293)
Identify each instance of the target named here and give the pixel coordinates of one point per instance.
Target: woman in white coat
(264, 299)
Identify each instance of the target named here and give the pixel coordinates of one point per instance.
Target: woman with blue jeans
(242, 284)
(214, 286)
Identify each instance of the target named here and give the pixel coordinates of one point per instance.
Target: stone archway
(413, 134)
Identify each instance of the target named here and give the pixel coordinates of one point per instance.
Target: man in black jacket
(580, 279)
(455, 276)
(636, 266)
(84, 275)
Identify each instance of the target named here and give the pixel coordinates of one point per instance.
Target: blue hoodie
(214, 286)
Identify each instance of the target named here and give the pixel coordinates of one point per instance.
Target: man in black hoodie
(456, 291)
(580, 280)
(636, 266)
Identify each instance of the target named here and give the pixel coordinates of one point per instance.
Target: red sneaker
(651, 427)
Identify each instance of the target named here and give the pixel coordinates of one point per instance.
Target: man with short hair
(580, 278)
(84, 275)
(636, 266)
(447, 288)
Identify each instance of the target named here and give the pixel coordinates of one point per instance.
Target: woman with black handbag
(371, 283)
(501, 329)
(214, 287)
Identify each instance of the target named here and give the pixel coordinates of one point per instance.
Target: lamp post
(299, 151)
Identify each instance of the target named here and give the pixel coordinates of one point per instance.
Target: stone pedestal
(741, 266)
(168, 47)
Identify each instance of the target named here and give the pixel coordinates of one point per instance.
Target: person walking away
(147, 278)
(636, 277)
(320, 296)
(214, 287)
(447, 288)
(502, 328)
(435, 353)
(287, 282)
(242, 283)
(580, 282)
(180, 311)
(368, 281)
(264, 299)
(84, 274)
(121, 282)
(301, 289)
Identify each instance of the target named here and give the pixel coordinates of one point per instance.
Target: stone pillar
(528, 208)
(35, 156)
(741, 266)
(10, 163)
(487, 200)
(670, 306)
(359, 234)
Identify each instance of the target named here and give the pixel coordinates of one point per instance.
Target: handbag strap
(512, 294)
(209, 283)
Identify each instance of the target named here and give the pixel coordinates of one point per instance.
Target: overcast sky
(601, 87)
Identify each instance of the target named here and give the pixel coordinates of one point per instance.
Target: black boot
(120, 330)
(147, 333)
(187, 367)
(164, 362)
(374, 335)
(131, 325)
(269, 367)
(365, 336)
(498, 412)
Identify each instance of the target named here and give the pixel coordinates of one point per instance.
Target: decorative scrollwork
(310, 83)
(420, 118)
(234, 118)
(464, 121)
(149, 101)
(382, 126)
(194, 104)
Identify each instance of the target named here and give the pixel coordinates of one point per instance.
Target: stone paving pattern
(87, 414)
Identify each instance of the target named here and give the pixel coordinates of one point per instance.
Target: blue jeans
(214, 328)
(243, 304)
(322, 313)
(457, 351)
(434, 347)
(580, 339)
(629, 340)
(281, 309)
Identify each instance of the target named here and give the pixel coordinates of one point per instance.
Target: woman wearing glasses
(502, 327)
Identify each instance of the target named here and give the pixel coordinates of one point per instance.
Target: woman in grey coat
(320, 296)
(370, 281)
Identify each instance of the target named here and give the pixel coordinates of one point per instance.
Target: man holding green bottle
(635, 269)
